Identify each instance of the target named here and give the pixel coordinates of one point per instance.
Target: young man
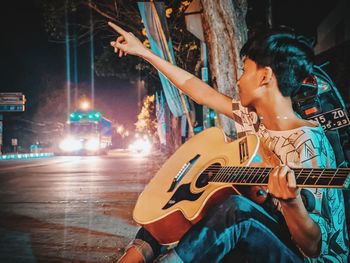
(295, 225)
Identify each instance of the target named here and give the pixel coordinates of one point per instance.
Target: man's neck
(278, 114)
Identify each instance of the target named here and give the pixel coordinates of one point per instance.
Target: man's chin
(244, 104)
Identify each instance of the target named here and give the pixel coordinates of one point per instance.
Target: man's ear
(267, 74)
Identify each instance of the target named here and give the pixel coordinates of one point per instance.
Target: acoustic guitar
(206, 170)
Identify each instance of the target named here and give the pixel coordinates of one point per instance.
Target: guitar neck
(305, 177)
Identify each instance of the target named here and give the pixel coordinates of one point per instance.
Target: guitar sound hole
(205, 176)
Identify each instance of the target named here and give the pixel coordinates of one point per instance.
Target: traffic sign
(7, 98)
(11, 108)
(14, 141)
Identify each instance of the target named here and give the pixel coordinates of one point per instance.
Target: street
(70, 208)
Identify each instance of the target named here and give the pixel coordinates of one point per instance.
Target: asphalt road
(70, 209)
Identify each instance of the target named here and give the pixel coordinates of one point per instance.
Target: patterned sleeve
(325, 205)
(246, 119)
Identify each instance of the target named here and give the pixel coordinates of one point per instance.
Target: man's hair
(290, 57)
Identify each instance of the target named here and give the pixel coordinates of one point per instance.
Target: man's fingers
(272, 180)
(117, 45)
(117, 28)
(282, 180)
(120, 39)
(291, 179)
(282, 183)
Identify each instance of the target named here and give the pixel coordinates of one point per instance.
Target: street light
(120, 129)
(85, 105)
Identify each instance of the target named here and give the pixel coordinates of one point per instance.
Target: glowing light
(92, 145)
(85, 105)
(141, 146)
(70, 145)
(120, 129)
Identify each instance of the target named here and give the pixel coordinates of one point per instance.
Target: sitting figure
(293, 225)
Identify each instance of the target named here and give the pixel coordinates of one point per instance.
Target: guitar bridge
(183, 171)
(243, 150)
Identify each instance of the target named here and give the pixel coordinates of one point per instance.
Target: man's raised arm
(195, 88)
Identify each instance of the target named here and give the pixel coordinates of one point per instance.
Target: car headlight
(92, 145)
(141, 146)
(71, 145)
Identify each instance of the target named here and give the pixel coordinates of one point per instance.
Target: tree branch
(104, 14)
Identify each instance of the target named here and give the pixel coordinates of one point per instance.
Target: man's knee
(238, 203)
(234, 209)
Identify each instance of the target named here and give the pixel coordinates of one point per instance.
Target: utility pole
(92, 62)
(1, 118)
(68, 73)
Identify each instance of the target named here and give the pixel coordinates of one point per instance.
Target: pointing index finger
(117, 28)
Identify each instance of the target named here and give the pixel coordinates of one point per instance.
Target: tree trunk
(225, 32)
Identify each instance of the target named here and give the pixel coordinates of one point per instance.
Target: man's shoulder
(315, 135)
(313, 146)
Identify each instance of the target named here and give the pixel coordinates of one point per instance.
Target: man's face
(249, 82)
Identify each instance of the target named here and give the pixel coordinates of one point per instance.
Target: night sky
(26, 53)
(27, 57)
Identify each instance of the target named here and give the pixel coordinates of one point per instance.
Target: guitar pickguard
(181, 194)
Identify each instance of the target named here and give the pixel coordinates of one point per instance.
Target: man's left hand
(282, 184)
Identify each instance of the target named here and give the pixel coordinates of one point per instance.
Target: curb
(21, 156)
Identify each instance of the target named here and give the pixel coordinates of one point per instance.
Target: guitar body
(179, 195)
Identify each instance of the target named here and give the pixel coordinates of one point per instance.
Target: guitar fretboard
(305, 177)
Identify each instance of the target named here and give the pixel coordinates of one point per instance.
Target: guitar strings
(298, 171)
(302, 180)
(240, 174)
(297, 176)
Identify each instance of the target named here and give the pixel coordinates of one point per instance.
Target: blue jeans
(236, 230)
